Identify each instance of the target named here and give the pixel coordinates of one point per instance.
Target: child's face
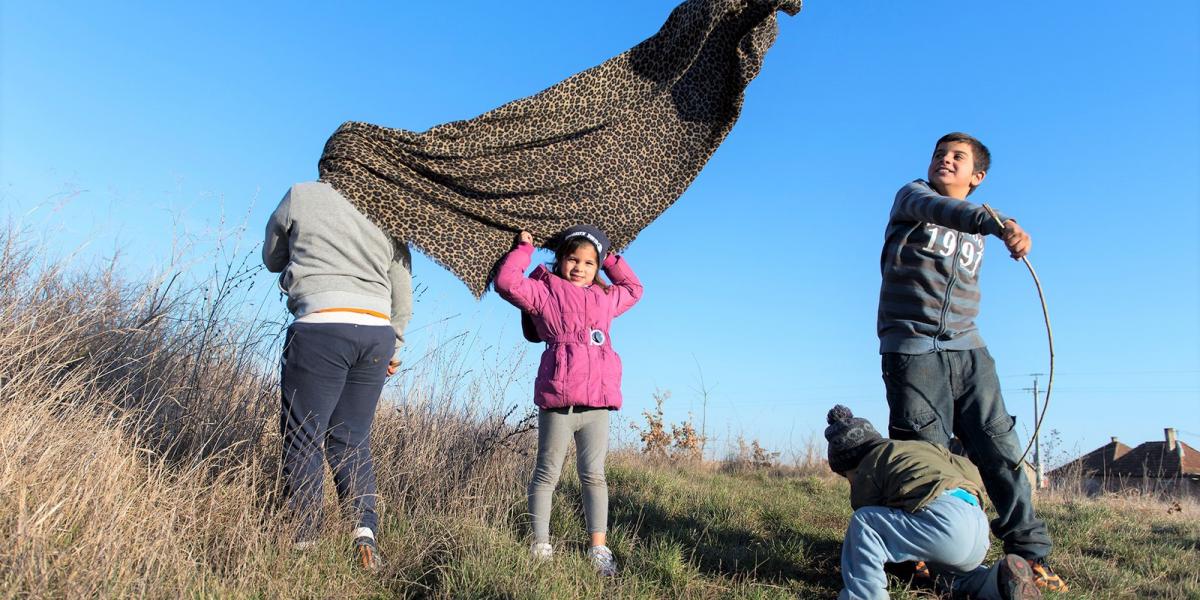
(952, 169)
(579, 267)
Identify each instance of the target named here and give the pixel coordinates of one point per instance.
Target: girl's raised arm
(626, 289)
(512, 284)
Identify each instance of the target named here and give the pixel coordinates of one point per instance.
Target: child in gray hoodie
(349, 287)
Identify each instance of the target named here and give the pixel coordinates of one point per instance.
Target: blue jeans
(332, 376)
(950, 535)
(940, 395)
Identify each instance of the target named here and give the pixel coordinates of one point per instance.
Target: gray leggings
(555, 429)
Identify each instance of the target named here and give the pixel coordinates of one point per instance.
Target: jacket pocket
(285, 279)
(547, 369)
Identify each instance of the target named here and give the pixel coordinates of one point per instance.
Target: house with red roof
(1166, 466)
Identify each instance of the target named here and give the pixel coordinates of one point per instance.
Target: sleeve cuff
(998, 228)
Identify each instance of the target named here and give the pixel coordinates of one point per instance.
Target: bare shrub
(749, 456)
(686, 442)
(810, 457)
(654, 436)
(681, 442)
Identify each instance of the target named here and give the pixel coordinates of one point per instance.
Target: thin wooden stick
(1049, 337)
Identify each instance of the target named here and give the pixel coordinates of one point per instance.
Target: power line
(1094, 390)
(1111, 371)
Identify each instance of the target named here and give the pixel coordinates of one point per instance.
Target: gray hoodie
(932, 252)
(329, 255)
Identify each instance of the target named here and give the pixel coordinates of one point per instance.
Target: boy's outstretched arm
(917, 201)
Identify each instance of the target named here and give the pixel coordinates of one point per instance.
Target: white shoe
(602, 558)
(541, 551)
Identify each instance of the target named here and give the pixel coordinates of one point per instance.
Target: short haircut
(983, 158)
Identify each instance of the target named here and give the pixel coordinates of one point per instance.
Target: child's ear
(977, 178)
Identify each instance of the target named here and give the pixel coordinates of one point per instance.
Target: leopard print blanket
(613, 146)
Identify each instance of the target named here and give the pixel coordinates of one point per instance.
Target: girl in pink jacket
(579, 379)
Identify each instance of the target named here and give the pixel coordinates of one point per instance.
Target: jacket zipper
(937, 345)
(587, 320)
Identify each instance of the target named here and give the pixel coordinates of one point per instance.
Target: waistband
(963, 495)
(360, 311)
(566, 410)
(592, 337)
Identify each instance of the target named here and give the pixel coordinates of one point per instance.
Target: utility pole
(1038, 469)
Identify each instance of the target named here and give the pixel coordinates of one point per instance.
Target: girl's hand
(525, 238)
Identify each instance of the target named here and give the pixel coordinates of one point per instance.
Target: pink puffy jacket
(578, 368)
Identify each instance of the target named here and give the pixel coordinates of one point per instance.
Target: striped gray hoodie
(932, 252)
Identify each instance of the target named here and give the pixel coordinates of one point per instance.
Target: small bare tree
(661, 439)
(655, 439)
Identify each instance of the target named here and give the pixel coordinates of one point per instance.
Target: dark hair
(983, 158)
(570, 246)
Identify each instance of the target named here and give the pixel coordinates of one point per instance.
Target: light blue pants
(950, 535)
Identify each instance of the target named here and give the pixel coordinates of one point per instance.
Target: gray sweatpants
(556, 427)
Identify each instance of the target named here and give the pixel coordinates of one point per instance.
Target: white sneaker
(602, 558)
(541, 551)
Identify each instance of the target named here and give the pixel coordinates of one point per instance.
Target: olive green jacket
(910, 475)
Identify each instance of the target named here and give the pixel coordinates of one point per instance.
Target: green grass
(687, 532)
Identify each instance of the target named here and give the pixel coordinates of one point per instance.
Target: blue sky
(124, 125)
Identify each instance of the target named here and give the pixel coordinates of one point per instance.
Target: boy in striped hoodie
(941, 382)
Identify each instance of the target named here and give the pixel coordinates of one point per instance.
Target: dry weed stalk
(140, 448)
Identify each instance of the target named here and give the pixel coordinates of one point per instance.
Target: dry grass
(139, 445)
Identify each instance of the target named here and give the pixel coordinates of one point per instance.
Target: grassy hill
(138, 457)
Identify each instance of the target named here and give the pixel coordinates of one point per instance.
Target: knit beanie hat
(849, 437)
(592, 234)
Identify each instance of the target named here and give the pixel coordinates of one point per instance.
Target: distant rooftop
(1166, 459)
(1098, 462)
